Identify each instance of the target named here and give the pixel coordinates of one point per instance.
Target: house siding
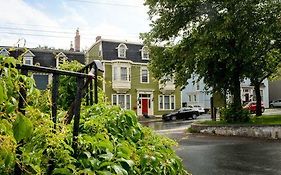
(134, 61)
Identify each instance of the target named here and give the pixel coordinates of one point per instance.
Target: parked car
(275, 103)
(252, 106)
(183, 113)
(198, 108)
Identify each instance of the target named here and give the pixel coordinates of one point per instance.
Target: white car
(197, 108)
(275, 103)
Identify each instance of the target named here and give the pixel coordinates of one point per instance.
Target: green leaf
(62, 171)
(119, 170)
(2, 93)
(22, 128)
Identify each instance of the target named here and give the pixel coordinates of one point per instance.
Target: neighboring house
(127, 80)
(43, 57)
(195, 94)
(274, 90)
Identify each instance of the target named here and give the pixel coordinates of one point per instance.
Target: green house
(127, 81)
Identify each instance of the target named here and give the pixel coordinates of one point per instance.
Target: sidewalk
(154, 118)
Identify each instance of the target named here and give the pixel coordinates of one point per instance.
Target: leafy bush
(67, 84)
(111, 140)
(231, 115)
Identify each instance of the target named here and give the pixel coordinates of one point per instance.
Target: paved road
(208, 155)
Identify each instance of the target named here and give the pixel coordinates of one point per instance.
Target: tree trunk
(236, 92)
(236, 103)
(258, 99)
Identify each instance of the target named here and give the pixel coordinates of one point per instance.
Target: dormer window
(122, 49)
(60, 58)
(28, 58)
(4, 52)
(145, 53)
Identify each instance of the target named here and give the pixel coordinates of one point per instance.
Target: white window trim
(118, 76)
(170, 104)
(4, 52)
(142, 53)
(125, 102)
(141, 69)
(28, 58)
(119, 50)
(60, 56)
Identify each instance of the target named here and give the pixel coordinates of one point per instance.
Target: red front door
(144, 106)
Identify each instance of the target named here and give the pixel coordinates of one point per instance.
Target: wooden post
(76, 112)
(212, 107)
(87, 89)
(96, 85)
(55, 90)
(21, 105)
(91, 89)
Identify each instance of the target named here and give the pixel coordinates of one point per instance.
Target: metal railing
(85, 86)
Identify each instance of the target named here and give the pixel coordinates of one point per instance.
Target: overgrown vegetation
(231, 115)
(111, 141)
(262, 120)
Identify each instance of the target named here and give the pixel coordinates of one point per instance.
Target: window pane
(27, 61)
(195, 98)
(172, 102)
(161, 102)
(121, 101)
(114, 100)
(166, 102)
(128, 102)
(124, 73)
(144, 77)
(115, 73)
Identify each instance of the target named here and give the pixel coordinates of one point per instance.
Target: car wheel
(262, 110)
(271, 106)
(194, 116)
(173, 118)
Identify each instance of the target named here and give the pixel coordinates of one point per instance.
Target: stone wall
(268, 131)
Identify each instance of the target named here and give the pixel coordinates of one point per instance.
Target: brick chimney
(98, 38)
(71, 47)
(77, 41)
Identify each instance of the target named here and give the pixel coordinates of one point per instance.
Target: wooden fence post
(55, 92)
(76, 112)
(21, 105)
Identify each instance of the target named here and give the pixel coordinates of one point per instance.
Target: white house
(195, 94)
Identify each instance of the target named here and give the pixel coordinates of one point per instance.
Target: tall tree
(206, 37)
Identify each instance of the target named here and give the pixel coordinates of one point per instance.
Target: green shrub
(232, 115)
(110, 141)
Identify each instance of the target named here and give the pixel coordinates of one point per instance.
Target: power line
(106, 3)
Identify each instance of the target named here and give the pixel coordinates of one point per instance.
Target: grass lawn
(263, 120)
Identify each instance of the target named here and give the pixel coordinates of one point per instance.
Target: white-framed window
(195, 97)
(60, 58)
(124, 73)
(144, 75)
(121, 73)
(166, 102)
(28, 60)
(122, 50)
(123, 100)
(189, 98)
(4, 52)
(145, 53)
(197, 86)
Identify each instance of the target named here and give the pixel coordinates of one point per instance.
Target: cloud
(24, 16)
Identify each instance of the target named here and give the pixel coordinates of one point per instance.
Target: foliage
(231, 115)
(67, 85)
(218, 40)
(111, 140)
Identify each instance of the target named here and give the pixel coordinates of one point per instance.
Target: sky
(53, 23)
